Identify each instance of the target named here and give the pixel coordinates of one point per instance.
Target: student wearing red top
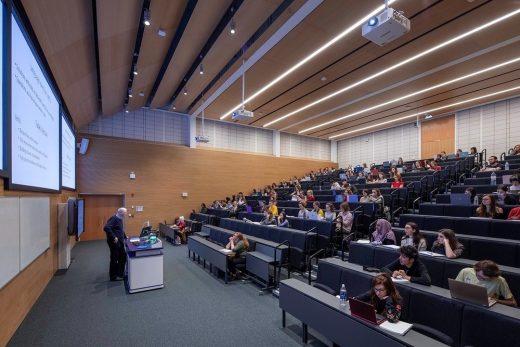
(398, 182)
(181, 224)
(310, 196)
(434, 166)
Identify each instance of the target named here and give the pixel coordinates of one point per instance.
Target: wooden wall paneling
(98, 208)
(163, 172)
(20, 294)
(438, 135)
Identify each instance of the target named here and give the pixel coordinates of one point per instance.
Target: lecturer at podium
(116, 242)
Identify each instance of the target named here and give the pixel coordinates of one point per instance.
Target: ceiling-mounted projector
(385, 27)
(242, 115)
(202, 138)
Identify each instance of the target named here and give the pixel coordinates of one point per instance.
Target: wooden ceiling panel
(204, 19)
(118, 22)
(308, 36)
(165, 15)
(445, 55)
(247, 19)
(469, 66)
(68, 45)
(466, 93)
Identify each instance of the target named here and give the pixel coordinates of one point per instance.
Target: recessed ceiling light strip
(408, 80)
(425, 111)
(393, 67)
(309, 57)
(490, 68)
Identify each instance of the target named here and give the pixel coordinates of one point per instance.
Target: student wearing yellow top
(316, 208)
(273, 208)
(487, 274)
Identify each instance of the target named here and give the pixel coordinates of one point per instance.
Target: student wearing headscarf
(383, 233)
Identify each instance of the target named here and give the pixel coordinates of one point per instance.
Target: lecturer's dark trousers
(117, 259)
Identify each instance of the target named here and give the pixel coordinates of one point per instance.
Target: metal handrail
(309, 278)
(416, 202)
(288, 244)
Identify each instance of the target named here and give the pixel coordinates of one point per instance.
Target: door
(98, 208)
(436, 136)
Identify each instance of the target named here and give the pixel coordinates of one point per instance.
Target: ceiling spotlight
(173, 107)
(427, 116)
(232, 29)
(141, 94)
(130, 92)
(372, 21)
(135, 69)
(161, 33)
(185, 92)
(146, 17)
(201, 69)
(126, 108)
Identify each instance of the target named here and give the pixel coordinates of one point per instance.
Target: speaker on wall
(83, 146)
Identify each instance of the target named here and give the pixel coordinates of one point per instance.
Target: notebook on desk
(364, 311)
(472, 293)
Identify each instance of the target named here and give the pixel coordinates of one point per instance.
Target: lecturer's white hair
(121, 211)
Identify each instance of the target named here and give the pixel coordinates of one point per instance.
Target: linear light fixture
(426, 111)
(395, 66)
(309, 57)
(490, 68)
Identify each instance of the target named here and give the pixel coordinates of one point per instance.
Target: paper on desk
(399, 279)
(224, 250)
(431, 254)
(400, 327)
(363, 241)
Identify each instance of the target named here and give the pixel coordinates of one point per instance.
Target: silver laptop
(472, 293)
(460, 199)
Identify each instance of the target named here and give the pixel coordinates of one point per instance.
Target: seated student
(514, 214)
(493, 165)
(487, 274)
(472, 193)
(273, 208)
(515, 185)
(383, 233)
(303, 213)
(330, 212)
(381, 178)
(516, 150)
(503, 198)
(316, 208)
(282, 220)
(447, 244)
(310, 195)
(364, 197)
(377, 198)
(434, 166)
(384, 297)
(181, 224)
(268, 219)
(398, 182)
(239, 244)
(335, 186)
(489, 209)
(408, 267)
(344, 224)
(413, 237)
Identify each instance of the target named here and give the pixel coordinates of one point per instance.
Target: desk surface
(133, 248)
(352, 325)
(498, 308)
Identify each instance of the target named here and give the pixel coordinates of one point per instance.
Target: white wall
(401, 141)
(304, 147)
(143, 124)
(495, 127)
(236, 137)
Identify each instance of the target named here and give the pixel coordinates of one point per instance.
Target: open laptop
(506, 179)
(472, 293)
(460, 199)
(364, 311)
(353, 198)
(313, 215)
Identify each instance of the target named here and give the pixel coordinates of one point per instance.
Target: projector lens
(372, 21)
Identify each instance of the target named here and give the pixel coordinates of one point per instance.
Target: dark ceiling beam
(96, 52)
(137, 48)
(256, 35)
(221, 26)
(186, 16)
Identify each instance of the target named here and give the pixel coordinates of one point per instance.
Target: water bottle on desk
(343, 296)
(475, 200)
(493, 179)
(506, 166)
